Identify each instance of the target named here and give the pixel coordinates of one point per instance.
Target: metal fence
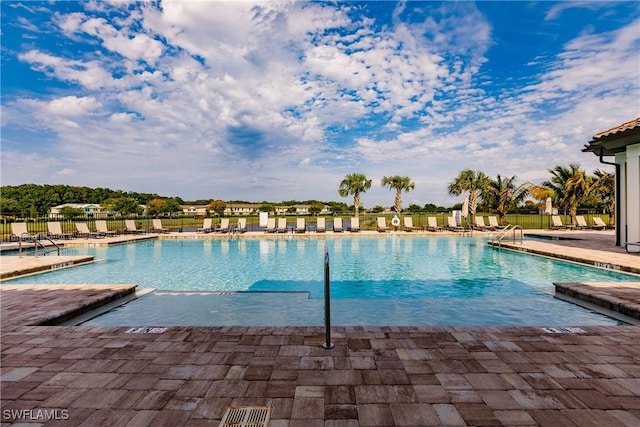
(368, 221)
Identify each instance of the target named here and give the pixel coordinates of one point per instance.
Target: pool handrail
(510, 228)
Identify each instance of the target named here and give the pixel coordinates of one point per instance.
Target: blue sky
(280, 100)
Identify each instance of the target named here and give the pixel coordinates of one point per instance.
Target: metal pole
(327, 304)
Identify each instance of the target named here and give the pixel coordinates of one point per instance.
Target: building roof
(615, 140)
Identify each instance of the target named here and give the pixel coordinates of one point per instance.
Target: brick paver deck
(374, 376)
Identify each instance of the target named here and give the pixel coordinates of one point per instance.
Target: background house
(623, 144)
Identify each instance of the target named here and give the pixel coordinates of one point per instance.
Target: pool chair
(157, 226)
(408, 224)
(271, 225)
(19, 231)
(320, 225)
(83, 231)
(432, 224)
(382, 225)
(452, 225)
(301, 226)
(101, 227)
(337, 225)
(581, 223)
(55, 231)
(598, 223)
(493, 222)
(130, 227)
(206, 226)
(354, 225)
(478, 223)
(223, 227)
(282, 225)
(241, 226)
(556, 224)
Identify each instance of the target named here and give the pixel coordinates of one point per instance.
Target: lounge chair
(271, 225)
(382, 224)
(130, 227)
(557, 223)
(337, 225)
(301, 226)
(55, 231)
(241, 227)
(19, 231)
(223, 227)
(157, 226)
(432, 224)
(83, 231)
(493, 222)
(598, 223)
(452, 225)
(408, 224)
(282, 225)
(320, 225)
(101, 226)
(479, 223)
(354, 225)
(206, 226)
(581, 222)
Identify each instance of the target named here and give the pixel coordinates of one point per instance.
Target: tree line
(568, 188)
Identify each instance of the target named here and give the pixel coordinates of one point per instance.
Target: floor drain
(246, 416)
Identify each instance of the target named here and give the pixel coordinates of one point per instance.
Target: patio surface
(374, 376)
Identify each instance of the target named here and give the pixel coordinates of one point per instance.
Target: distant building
(623, 143)
(89, 209)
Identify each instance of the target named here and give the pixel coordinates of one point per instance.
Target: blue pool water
(390, 280)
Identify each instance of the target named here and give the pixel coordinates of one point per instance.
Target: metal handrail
(40, 236)
(506, 231)
(36, 241)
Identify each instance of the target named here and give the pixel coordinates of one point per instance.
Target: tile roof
(635, 123)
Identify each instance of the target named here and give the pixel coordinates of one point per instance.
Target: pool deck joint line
(374, 376)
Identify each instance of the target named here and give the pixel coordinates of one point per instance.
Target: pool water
(387, 280)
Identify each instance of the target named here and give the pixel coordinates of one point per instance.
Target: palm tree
(503, 195)
(605, 187)
(472, 183)
(571, 186)
(400, 184)
(354, 183)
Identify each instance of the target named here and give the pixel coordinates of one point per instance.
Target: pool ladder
(496, 240)
(37, 243)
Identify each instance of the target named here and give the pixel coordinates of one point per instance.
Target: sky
(280, 100)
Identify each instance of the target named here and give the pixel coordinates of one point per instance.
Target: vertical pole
(327, 302)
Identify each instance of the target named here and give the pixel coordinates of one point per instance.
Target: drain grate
(246, 416)
(564, 330)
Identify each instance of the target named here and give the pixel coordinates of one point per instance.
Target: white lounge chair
(19, 231)
(581, 223)
(452, 225)
(354, 225)
(337, 225)
(157, 226)
(301, 226)
(241, 227)
(83, 231)
(408, 224)
(479, 223)
(282, 225)
(206, 226)
(101, 226)
(130, 227)
(493, 222)
(557, 223)
(271, 225)
(55, 231)
(382, 224)
(432, 224)
(223, 227)
(598, 223)
(321, 225)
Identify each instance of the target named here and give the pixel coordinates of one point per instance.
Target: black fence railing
(368, 221)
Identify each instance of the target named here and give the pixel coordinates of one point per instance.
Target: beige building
(620, 146)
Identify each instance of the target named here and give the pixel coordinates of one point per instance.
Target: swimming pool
(388, 280)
